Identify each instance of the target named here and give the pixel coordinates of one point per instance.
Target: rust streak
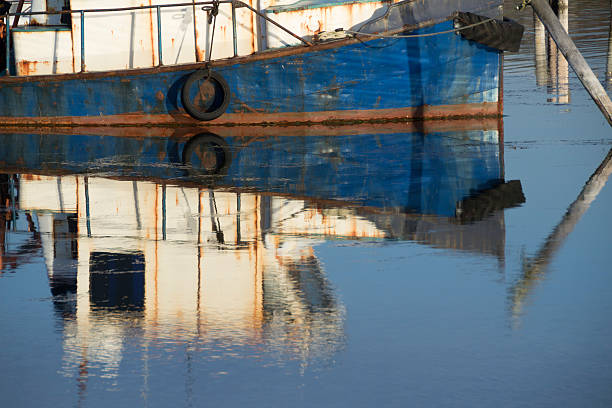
(249, 131)
(151, 31)
(487, 109)
(29, 67)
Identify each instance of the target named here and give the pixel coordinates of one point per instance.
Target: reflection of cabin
(186, 263)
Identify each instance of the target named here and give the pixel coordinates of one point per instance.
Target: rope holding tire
(212, 97)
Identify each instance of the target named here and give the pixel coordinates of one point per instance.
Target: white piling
(541, 65)
(573, 56)
(563, 95)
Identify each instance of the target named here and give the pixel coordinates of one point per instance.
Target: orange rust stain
(159, 96)
(199, 52)
(161, 155)
(17, 90)
(151, 31)
(353, 231)
(29, 67)
(350, 12)
(253, 25)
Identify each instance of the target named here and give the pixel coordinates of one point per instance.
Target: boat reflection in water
(207, 237)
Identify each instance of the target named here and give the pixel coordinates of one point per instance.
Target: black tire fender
(221, 95)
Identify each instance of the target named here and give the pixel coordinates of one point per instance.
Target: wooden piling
(573, 56)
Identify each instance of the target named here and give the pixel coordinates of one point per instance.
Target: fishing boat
(231, 62)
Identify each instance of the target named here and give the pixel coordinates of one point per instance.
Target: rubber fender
(220, 98)
(503, 35)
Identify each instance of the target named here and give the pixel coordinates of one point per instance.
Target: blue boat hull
(383, 78)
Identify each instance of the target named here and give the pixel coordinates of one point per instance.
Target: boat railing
(206, 6)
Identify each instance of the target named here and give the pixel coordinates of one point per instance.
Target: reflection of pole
(533, 270)
(137, 206)
(13, 203)
(562, 65)
(540, 51)
(214, 217)
(87, 218)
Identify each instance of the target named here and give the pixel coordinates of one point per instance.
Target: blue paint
(405, 172)
(8, 48)
(160, 48)
(380, 74)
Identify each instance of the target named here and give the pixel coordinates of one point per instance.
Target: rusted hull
(484, 110)
(440, 76)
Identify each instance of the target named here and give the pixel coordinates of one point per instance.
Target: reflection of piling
(562, 65)
(553, 52)
(540, 51)
(577, 61)
(533, 270)
(557, 64)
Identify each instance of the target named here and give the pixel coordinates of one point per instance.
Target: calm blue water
(379, 268)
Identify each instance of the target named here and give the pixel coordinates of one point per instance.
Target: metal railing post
(82, 41)
(159, 37)
(195, 34)
(234, 30)
(8, 46)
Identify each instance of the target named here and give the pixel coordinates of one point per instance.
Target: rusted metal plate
(43, 50)
(309, 22)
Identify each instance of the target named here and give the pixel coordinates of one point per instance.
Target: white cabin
(128, 39)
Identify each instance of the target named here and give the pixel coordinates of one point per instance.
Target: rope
(213, 11)
(454, 30)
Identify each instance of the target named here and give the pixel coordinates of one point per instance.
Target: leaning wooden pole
(573, 56)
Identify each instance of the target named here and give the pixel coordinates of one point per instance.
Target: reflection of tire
(207, 154)
(212, 97)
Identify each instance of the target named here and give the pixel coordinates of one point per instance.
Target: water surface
(458, 265)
